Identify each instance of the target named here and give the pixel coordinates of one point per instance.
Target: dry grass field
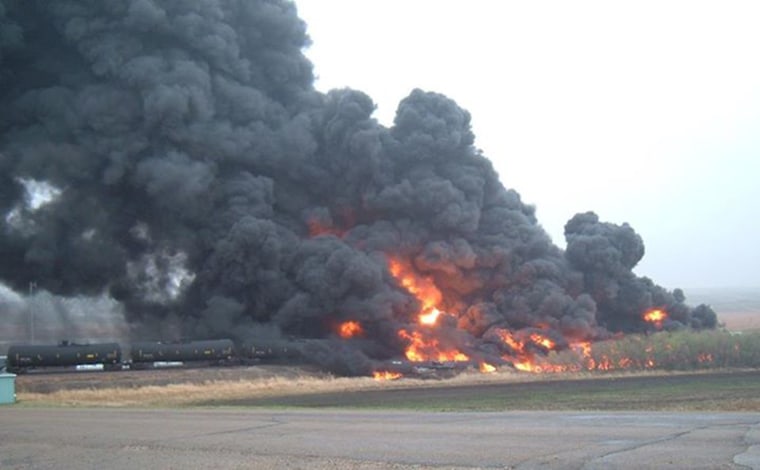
(177, 387)
(284, 386)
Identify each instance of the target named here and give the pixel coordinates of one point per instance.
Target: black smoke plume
(176, 156)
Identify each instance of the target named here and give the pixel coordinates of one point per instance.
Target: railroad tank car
(22, 357)
(217, 350)
(273, 351)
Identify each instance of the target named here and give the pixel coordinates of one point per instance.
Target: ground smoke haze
(176, 156)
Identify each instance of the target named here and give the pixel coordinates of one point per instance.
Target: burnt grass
(710, 391)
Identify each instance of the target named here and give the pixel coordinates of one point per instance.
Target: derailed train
(145, 354)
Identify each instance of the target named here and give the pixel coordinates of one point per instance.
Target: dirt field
(738, 309)
(741, 321)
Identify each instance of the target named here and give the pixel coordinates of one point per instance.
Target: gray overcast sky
(646, 112)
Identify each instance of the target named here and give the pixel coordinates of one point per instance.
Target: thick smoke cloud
(196, 176)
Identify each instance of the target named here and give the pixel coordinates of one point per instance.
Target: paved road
(42, 438)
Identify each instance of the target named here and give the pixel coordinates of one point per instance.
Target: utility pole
(32, 287)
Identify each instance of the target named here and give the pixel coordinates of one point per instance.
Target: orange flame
(317, 228)
(538, 367)
(584, 347)
(510, 341)
(542, 341)
(429, 349)
(486, 368)
(523, 357)
(519, 346)
(603, 356)
(350, 329)
(580, 356)
(429, 318)
(421, 287)
(655, 317)
(386, 375)
(527, 366)
(423, 347)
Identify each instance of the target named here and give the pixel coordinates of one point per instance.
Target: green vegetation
(680, 350)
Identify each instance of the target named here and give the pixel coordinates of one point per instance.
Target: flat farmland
(288, 387)
(741, 320)
(738, 309)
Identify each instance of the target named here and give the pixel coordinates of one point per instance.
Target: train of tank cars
(22, 358)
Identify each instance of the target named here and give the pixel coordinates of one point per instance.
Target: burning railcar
(215, 186)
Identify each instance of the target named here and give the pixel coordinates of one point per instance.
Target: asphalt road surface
(55, 438)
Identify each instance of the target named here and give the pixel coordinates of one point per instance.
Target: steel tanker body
(149, 354)
(24, 357)
(270, 351)
(218, 350)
